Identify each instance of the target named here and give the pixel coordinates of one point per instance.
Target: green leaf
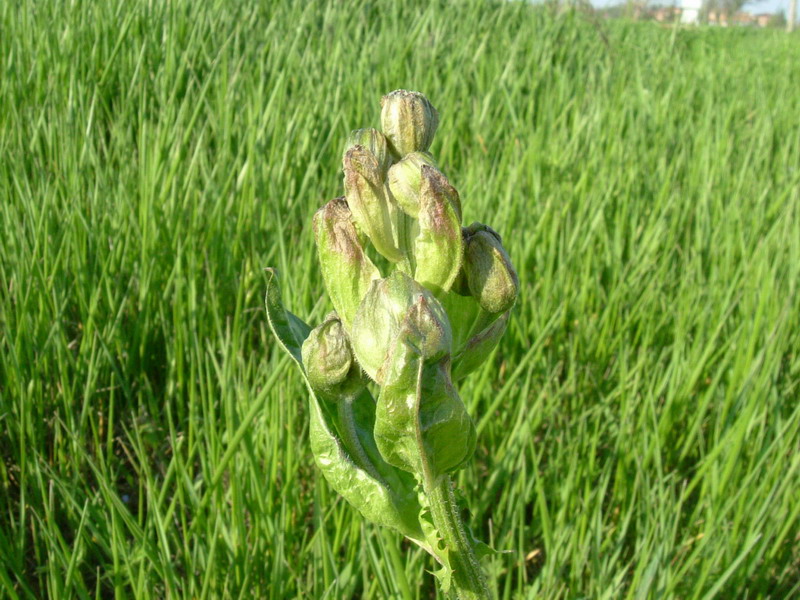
(479, 347)
(482, 549)
(289, 330)
(463, 312)
(438, 549)
(351, 462)
(421, 424)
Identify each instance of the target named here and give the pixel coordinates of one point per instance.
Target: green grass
(639, 427)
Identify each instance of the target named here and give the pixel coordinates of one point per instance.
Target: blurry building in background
(690, 11)
(716, 13)
(764, 19)
(667, 14)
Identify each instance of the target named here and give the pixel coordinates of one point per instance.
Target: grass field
(639, 426)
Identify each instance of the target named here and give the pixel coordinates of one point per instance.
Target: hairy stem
(469, 580)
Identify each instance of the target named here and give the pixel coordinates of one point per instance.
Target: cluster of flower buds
(397, 199)
(420, 302)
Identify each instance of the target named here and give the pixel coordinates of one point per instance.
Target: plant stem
(469, 580)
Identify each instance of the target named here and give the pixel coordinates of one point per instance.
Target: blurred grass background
(639, 426)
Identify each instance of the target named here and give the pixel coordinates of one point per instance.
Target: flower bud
(438, 246)
(329, 363)
(491, 278)
(426, 329)
(368, 200)
(409, 121)
(346, 269)
(405, 179)
(374, 142)
(393, 307)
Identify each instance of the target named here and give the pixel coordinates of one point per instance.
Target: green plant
(420, 317)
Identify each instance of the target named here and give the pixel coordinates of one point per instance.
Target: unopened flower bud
(490, 275)
(405, 179)
(426, 329)
(409, 121)
(329, 363)
(438, 246)
(393, 307)
(366, 195)
(374, 142)
(346, 269)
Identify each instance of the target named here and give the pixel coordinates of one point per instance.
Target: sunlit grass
(639, 427)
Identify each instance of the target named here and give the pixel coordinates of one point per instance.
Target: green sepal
(421, 424)
(351, 462)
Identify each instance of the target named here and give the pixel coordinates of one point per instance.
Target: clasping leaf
(350, 463)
